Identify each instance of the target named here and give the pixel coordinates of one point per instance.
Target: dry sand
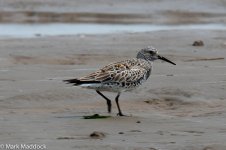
(180, 107)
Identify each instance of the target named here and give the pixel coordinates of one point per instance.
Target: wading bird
(120, 76)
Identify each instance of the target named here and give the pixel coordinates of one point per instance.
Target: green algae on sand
(96, 116)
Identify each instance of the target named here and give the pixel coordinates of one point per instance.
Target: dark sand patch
(73, 17)
(205, 59)
(173, 92)
(189, 17)
(30, 60)
(76, 59)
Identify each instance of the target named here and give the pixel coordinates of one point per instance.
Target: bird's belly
(102, 87)
(112, 87)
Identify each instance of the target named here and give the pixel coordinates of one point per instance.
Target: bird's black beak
(167, 60)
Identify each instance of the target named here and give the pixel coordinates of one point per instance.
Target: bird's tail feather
(78, 82)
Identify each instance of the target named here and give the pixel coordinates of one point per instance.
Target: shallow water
(36, 30)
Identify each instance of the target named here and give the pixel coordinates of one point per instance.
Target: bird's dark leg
(117, 103)
(108, 100)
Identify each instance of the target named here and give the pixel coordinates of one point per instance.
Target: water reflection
(36, 30)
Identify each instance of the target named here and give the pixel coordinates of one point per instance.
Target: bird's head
(150, 54)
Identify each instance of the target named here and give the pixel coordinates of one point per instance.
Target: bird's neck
(146, 64)
(141, 56)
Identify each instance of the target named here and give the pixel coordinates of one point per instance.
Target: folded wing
(124, 71)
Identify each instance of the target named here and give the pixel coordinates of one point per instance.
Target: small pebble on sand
(198, 43)
(97, 135)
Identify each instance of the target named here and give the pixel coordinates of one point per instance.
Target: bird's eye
(151, 52)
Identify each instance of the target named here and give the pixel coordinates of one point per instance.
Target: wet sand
(180, 107)
(117, 11)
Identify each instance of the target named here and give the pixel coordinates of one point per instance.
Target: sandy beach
(180, 107)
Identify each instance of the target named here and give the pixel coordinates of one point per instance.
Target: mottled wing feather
(134, 74)
(96, 76)
(124, 71)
